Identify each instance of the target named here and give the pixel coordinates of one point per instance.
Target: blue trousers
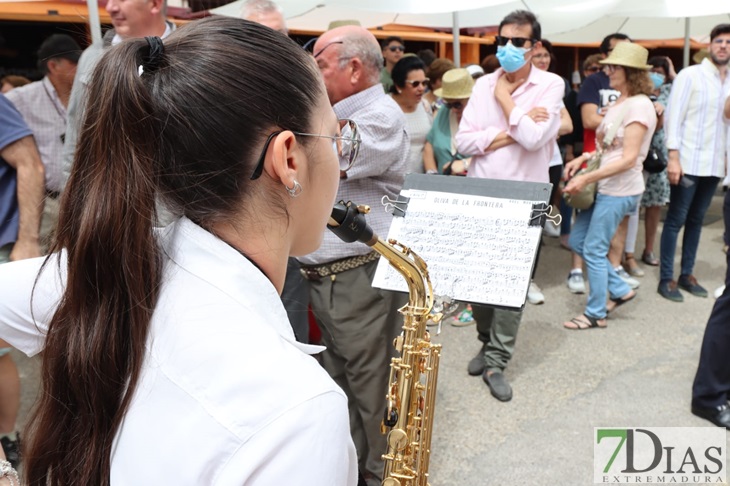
(591, 239)
(687, 207)
(712, 380)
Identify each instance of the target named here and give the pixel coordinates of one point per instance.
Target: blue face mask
(511, 58)
(657, 79)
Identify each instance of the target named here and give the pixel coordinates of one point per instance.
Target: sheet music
(478, 249)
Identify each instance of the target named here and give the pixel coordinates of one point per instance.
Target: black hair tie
(154, 58)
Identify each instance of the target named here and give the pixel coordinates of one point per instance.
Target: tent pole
(457, 48)
(94, 22)
(685, 57)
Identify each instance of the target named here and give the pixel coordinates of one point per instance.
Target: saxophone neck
(348, 222)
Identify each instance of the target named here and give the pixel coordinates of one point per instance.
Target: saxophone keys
(398, 439)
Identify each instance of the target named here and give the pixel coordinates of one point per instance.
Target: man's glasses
(593, 69)
(610, 68)
(455, 105)
(396, 48)
(416, 83)
(516, 41)
(346, 145)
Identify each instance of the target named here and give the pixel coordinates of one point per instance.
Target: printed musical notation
(478, 249)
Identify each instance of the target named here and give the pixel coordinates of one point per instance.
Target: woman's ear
(284, 158)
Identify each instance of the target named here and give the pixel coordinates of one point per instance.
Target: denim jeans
(591, 239)
(687, 207)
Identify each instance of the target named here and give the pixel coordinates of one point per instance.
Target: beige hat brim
(618, 62)
(459, 96)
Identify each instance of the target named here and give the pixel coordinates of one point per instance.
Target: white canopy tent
(653, 20)
(316, 16)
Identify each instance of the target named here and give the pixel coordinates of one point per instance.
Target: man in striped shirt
(696, 139)
(43, 107)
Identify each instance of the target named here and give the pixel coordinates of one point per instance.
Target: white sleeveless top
(418, 124)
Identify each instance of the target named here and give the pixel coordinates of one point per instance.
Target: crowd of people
(135, 217)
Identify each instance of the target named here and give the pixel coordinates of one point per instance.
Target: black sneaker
(12, 450)
(689, 283)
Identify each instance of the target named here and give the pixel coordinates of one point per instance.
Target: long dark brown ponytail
(185, 131)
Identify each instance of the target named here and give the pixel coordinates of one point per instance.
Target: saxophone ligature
(411, 394)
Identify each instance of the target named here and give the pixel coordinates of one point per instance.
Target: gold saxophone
(411, 393)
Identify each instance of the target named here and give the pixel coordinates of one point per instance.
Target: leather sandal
(632, 267)
(583, 322)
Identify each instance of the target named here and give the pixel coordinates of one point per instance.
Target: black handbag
(654, 162)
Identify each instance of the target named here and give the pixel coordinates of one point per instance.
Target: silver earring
(295, 190)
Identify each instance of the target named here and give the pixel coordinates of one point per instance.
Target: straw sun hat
(628, 54)
(456, 84)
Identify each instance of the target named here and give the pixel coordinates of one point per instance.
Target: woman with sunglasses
(632, 120)
(439, 152)
(167, 355)
(409, 85)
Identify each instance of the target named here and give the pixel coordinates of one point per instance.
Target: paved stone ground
(637, 372)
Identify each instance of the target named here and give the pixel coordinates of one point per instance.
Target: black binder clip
(396, 207)
(541, 213)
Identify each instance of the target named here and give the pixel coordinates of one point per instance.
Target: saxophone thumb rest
(348, 222)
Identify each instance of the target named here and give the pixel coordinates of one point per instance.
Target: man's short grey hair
(367, 51)
(256, 7)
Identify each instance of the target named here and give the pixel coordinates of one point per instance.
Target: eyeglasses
(542, 55)
(416, 83)
(516, 41)
(611, 68)
(719, 42)
(346, 145)
(456, 105)
(396, 48)
(593, 69)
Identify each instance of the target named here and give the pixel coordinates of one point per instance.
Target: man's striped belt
(317, 272)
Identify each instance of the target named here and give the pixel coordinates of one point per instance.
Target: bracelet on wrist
(8, 471)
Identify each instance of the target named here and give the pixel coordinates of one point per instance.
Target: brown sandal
(631, 266)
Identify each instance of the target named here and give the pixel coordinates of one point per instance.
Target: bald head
(350, 60)
(264, 12)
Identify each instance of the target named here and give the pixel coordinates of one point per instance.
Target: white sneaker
(719, 291)
(535, 295)
(551, 230)
(576, 283)
(630, 281)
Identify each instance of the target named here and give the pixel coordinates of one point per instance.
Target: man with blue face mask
(509, 127)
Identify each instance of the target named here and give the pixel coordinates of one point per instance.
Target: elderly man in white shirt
(43, 107)
(696, 139)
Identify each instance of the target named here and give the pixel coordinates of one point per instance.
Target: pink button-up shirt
(484, 119)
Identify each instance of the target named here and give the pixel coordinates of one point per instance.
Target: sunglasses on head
(416, 83)
(516, 41)
(396, 48)
(455, 105)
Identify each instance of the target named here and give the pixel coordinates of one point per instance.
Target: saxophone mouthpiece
(348, 222)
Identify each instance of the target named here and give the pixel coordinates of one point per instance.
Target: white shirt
(45, 115)
(694, 123)
(226, 394)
